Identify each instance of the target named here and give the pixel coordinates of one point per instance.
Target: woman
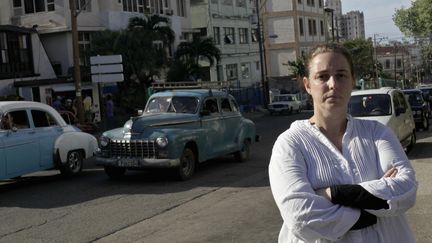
(336, 178)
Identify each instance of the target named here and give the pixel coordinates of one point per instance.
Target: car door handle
(31, 132)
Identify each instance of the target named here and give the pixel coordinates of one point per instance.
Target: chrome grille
(133, 149)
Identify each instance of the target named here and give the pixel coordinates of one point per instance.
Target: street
(225, 201)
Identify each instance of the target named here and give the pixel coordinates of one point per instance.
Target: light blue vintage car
(178, 129)
(34, 137)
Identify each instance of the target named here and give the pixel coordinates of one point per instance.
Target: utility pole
(260, 45)
(375, 43)
(395, 65)
(76, 62)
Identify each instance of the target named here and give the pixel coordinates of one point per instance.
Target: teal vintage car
(178, 129)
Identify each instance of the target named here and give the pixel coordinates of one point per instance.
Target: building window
(219, 72)
(241, 3)
(231, 71)
(229, 35)
(310, 30)
(245, 70)
(243, 36)
(227, 2)
(320, 3)
(314, 27)
(301, 31)
(32, 6)
(83, 5)
(131, 6)
(15, 55)
(254, 35)
(322, 27)
(299, 1)
(84, 46)
(399, 63)
(387, 64)
(216, 35)
(181, 8)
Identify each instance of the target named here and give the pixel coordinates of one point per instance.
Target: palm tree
(142, 59)
(186, 59)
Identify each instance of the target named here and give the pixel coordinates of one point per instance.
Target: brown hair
(326, 48)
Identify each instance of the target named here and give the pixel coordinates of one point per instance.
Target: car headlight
(103, 141)
(162, 142)
(419, 112)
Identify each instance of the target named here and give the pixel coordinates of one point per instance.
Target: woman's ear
(306, 84)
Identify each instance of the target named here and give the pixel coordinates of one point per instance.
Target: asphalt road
(224, 202)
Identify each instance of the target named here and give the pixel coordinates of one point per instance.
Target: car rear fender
(75, 141)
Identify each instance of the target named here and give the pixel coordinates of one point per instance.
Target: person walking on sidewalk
(109, 112)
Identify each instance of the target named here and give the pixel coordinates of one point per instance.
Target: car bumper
(137, 162)
(278, 109)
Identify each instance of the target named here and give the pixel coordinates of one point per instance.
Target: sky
(378, 16)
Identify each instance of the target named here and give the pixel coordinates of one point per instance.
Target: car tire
(411, 144)
(74, 163)
(114, 172)
(187, 164)
(244, 153)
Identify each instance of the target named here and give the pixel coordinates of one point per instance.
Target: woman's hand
(390, 173)
(324, 192)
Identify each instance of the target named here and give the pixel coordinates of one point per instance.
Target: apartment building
(232, 25)
(352, 25)
(291, 28)
(51, 20)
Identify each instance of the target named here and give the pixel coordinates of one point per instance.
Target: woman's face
(330, 82)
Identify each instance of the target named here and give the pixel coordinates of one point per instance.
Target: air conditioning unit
(169, 12)
(18, 11)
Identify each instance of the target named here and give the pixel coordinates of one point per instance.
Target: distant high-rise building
(352, 25)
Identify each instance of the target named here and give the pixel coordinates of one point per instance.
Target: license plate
(128, 163)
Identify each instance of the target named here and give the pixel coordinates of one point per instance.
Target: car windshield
(414, 98)
(177, 104)
(283, 98)
(370, 105)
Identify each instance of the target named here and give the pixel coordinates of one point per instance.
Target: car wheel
(425, 123)
(114, 172)
(412, 142)
(74, 163)
(244, 153)
(187, 164)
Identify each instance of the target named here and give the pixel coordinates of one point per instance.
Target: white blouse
(304, 160)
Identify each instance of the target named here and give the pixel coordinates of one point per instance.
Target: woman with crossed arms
(335, 178)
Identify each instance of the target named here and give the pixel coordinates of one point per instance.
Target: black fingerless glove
(366, 219)
(357, 197)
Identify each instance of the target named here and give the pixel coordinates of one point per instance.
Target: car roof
(202, 93)
(8, 105)
(383, 90)
(411, 91)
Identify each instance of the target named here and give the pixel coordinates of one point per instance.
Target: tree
(415, 20)
(186, 64)
(143, 46)
(298, 68)
(362, 52)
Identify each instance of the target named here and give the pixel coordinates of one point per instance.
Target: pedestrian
(109, 112)
(57, 104)
(335, 178)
